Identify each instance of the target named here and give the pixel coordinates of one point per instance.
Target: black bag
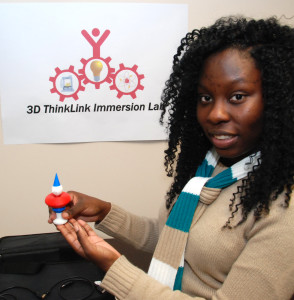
(44, 266)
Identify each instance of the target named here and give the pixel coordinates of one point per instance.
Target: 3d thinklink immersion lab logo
(96, 70)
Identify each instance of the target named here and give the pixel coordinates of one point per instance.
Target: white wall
(131, 174)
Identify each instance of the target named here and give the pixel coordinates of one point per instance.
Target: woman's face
(230, 104)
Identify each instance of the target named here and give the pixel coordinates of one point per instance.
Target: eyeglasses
(74, 288)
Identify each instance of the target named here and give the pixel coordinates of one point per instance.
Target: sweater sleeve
(140, 232)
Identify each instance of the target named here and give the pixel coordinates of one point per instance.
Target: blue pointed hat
(56, 181)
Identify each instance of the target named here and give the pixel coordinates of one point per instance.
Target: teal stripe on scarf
(221, 180)
(204, 170)
(178, 280)
(178, 218)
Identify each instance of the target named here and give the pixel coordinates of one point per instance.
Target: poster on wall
(86, 72)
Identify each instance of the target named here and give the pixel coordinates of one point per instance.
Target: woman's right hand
(84, 207)
(88, 244)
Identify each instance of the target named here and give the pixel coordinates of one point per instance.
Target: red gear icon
(127, 81)
(68, 90)
(87, 78)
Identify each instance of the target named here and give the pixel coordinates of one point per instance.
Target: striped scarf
(167, 264)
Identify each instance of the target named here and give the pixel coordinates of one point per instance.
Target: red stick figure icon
(96, 45)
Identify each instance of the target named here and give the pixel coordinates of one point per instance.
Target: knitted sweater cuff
(120, 278)
(113, 221)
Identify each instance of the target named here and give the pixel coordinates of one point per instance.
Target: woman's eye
(204, 98)
(237, 97)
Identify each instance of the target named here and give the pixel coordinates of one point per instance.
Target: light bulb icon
(96, 67)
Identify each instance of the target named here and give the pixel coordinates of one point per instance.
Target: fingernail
(76, 228)
(65, 215)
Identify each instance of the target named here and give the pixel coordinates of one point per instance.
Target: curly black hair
(271, 45)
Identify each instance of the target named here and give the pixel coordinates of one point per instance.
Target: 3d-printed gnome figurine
(57, 200)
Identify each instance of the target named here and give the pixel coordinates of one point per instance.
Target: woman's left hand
(88, 244)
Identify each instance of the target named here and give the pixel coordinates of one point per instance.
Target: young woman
(226, 233)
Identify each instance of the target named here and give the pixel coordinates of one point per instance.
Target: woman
(228, 234)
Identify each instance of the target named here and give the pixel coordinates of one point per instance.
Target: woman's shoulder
(279, 219)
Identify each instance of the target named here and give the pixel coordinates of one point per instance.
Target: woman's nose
(219, 112)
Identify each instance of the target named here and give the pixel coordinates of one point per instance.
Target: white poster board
(83, 72)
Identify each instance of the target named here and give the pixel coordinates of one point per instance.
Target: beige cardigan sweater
(254, 261)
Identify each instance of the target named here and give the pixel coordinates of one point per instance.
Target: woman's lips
(223, 141)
